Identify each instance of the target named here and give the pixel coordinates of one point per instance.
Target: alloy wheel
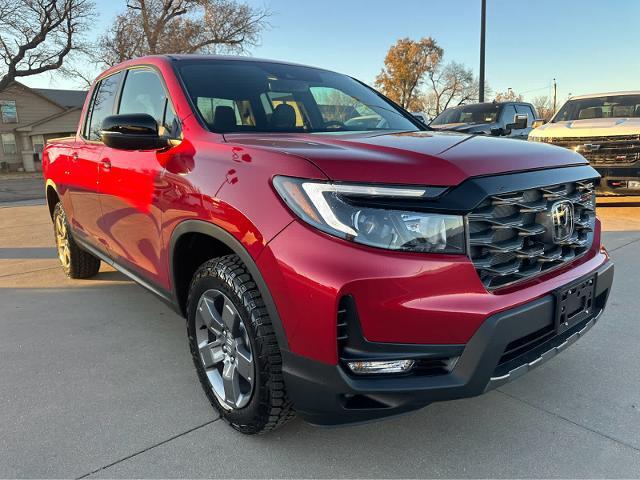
(62, 242)
(225, 349)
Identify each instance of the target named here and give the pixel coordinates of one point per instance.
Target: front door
(85, 163)
(131, 183)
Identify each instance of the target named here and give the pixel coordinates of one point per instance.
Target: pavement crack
(28, 272)
(139, 452)
(579, 425)
(625, 245)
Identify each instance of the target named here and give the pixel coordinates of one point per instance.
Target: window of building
(38, 143)
(8, 111)
(9, 144)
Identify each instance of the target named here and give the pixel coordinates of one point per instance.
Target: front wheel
(234, 347)
(76, 263)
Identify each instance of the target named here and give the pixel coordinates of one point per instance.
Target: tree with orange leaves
(405, 67)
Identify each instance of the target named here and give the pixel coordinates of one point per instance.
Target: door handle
(106, 164)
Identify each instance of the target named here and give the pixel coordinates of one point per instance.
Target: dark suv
(330, 253)
(502, 119)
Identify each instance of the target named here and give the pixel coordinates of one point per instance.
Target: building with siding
(31, 116)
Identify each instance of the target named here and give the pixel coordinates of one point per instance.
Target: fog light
(386, 366)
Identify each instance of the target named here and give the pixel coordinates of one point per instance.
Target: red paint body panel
(423, 158)
(131, 210)
(401, 298)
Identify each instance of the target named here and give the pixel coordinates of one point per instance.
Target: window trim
(202, 122)
(88, 115)
(15, 105)
(15, 143)
(125, 71)
(168, 100)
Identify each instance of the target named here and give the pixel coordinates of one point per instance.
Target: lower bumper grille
(517, 235)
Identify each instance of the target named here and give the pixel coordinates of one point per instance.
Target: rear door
(132, 181)
(84, 181)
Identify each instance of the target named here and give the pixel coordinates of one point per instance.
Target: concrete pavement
(96, 380)
(17, 188)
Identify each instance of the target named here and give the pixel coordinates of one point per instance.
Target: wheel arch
(226, 244)
(52, 196)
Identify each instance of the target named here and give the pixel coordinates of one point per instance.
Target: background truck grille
(615, 150)
(511, 234)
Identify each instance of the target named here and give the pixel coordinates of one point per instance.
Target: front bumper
(327, 395)
(615, 180)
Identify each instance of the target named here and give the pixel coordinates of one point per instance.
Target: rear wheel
(76, 263)
(234, 347)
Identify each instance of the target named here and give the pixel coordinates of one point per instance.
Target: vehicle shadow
(27, 252)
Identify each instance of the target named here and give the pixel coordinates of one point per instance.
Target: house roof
(64, 98)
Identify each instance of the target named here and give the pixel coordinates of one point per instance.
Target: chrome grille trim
(613, 150)
(509, 235)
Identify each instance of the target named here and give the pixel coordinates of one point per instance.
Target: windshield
(614, 106)
(473, 114)
(245, 96)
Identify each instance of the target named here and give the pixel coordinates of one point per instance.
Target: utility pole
(483, 22)
(555, 94)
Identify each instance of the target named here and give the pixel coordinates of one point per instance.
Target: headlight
(332, 208)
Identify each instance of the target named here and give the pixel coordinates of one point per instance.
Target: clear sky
(587, 45)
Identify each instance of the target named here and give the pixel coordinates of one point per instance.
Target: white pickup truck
(605, 129)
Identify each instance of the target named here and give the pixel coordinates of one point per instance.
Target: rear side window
(101, 105)
(144, 92)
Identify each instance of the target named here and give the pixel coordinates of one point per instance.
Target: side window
(526, 110)
(143, 92)
(101, 105)
(508, 114)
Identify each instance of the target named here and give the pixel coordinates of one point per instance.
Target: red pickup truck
(332, 255)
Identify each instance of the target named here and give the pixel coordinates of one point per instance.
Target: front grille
(614, 150)
(511, 235)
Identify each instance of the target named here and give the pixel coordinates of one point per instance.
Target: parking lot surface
(21, 187)
(97, 380)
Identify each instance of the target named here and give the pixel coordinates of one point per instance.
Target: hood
(465, 127)
(420, 158)
(595, 127)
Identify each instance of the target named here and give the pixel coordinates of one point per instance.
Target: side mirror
(132, 131)
(538, 123)
(520, 121)
(420, 118)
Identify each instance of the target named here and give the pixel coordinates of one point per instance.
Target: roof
(606, 94)
(64, 98)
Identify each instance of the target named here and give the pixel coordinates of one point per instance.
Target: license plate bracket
(574, 303)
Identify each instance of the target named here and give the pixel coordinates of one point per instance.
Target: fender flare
(218, 233)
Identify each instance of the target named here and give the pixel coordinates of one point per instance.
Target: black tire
(76, 262)
(269, 406)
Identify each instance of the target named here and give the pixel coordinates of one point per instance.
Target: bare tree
(152, 27)
(37, 35)
(451, 85)
(544, 107)
(405, 66)
(509, 96)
